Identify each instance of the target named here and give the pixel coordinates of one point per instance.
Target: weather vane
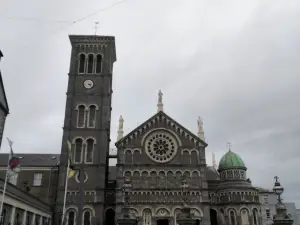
(229, 145)
(96, 27)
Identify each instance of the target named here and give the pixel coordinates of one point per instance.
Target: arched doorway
(110, 217)
(213, 217)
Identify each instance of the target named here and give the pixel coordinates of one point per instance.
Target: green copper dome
(231, 160)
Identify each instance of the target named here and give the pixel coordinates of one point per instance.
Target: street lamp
(278, 189)
(126, 188)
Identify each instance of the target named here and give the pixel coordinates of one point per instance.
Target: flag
(14, 161)
(71, 171)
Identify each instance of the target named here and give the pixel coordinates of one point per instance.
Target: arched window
(110, 217)
(81, 63)
(232, 218)
(128, 157)
(86, 218)
(78, 150)
(92, 116)
(71, 218)
(99, 64)
(90, 63)
(194, 157)
(245, 217)
(81, 116)
(255, 218)
(3, 216)
(89, 150)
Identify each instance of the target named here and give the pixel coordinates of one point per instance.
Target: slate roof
(33, 160)
(211, 173)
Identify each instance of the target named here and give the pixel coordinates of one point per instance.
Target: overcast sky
(235, 63)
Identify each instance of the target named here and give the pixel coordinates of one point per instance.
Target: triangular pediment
(3, 101)
(158, 118)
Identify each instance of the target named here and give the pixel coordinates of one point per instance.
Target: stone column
(33, 219)
(41, 220)
(12, 215)
(24, 217)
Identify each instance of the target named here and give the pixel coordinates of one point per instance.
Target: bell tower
(87, 126)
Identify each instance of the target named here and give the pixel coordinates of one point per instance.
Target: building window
(37, 179)
(13, 178)
(268, 213)
(266, 200)
(71, 218)
(89, 150)
(99, 63)
(81, 116)
(78, 150)
(81, 63)
(86, 218)
(92, 116)
(255, 219)
(90, 63)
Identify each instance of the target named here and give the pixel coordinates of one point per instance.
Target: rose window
(161, 146)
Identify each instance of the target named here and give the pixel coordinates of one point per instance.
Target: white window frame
(37, 179)
(13, 178)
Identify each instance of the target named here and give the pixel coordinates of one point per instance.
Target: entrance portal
(163, 222)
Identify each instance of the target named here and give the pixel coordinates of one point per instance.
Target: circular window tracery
(161, 146)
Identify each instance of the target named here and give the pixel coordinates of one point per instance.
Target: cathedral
(156, 158)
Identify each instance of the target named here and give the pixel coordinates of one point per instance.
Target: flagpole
(65, 194)
(6, 177)
(66, 182)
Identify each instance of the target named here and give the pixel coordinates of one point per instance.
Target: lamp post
(185, 217)
(126, 219)
(278, 189)
(185, 193)
(281, 217)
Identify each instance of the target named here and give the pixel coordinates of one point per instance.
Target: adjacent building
(4, 110)
(268, 201)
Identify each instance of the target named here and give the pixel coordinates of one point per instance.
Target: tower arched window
(99, 60)
(71, 218)
(90, 63)
(81, 116)
(232, 218)
(86, 217)
(78, 150)
(81, 68)
(92, 116)
(89, 150)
